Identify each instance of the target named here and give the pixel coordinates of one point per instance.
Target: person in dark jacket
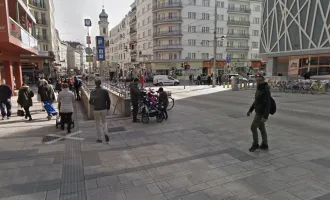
(77, 85)
(5, 97)
(261, 106)
(58, 86)
(46, 93)
(24, 99)
(100, 99)
(135, 95)
(163, 100)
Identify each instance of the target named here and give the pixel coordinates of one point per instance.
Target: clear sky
(70, 15)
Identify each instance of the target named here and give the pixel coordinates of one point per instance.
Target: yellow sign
(89, 58)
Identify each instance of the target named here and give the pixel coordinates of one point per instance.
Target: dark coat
(135, 93)
(261, 103)
(25, 96)
(46, 93)
(5, 93)
(163, 99)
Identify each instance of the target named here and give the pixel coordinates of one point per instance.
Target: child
(152, 98)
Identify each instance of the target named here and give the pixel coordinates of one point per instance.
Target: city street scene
(164, 100)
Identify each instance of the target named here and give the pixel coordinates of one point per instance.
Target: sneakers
(254, 147)
(264, 147)
(106, 137)
(137, 121)
(99, 141)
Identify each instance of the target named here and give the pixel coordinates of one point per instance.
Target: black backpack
(272, 110)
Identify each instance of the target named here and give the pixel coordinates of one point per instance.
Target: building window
(231, 6)
(230, 44)
(144, 46)
(192, 2)
(44, 34)
(220, 4)
(206, 3)
(149, 6)
(255, 44)
(143, 23)
(242, 56)
(219, 56)
(257, 8)
(192, 29)
(45, 47)
(191, 42)
(219, 43)
(42, 4)
(206, 16)
(144, 34)
(192, 55)
(205, 43)
(149, 19)
(220, 17)
(256, 20)
(205, 56)
(149, 32)
(149, 44)
(205, 29)
(104, 31)
(255, 33)
(191, 15)
(219, 30)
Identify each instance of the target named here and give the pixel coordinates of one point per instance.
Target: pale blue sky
(70, 15)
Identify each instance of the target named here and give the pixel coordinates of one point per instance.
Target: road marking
(61, 137)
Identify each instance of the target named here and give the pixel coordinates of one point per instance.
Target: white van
(160, 80)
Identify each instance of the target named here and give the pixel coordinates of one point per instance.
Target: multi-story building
(295, 37)
(171, 32)
(75, 50)
(63, 58)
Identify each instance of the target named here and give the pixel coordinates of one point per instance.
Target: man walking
(100, 99)
(261, 105)
(47, 94)
(5, 100)
(135, 95)
(65, 103)
(77, 86)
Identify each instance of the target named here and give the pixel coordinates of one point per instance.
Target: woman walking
(25, 96)
(66, 100)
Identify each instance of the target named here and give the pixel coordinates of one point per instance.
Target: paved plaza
(199, 153)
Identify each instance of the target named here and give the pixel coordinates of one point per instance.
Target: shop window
(324, 71)
(314, 61)
(313, 71)
(324, 61)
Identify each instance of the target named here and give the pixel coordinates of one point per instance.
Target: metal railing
(167, 19)
(237, 35)
(168, 47)
(132, 21)
(42, 37)
(240, 10)
(120, 89)
(238, 23)
(167, 5)
(234, 48)
(132, 31)
(21, 34)
(36, 4)
(168, 33)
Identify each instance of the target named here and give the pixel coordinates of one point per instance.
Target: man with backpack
(263, 105)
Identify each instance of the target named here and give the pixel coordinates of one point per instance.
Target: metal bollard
(228, 84)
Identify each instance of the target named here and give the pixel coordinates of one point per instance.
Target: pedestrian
(47, 94)
(135, 95)
(58, 86)
(77, 86)
(209, 79)
(100, 99)
(65, 104)
(163, 100)
(199, 79)
(5, 100)
(142, 81)
(261, 106)
(24, 100)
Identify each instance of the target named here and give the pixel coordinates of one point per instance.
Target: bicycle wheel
(170, 103)
(141, 106)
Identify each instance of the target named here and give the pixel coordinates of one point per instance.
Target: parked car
(160, 80)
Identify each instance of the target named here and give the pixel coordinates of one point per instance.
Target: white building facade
(171, 32)
(63, 58)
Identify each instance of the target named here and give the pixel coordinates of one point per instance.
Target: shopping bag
(20, 112)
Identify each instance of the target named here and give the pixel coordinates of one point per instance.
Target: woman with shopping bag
(24, 100)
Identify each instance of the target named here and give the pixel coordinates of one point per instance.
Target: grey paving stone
(58, 159)
(121, 186)
(242, 189)
(216, 182)
(176, 193)
(17, 164)
(218, 192)
(53, 195)
(7, 155)
(216, 173)
(153, 189)
(322, 161)
(116, 129)
(238, 154)
(99, 193)
(72, 187)
(74, 196)
(197, 187)
(323, 197)
(195, 196)
(233, 169)
(107, 181)
(204, 130)
(307, 190)
(43, 161)
(10, 198)
(164, 186)
(143, 182)
(91, 159)
(178, 183)
(34, 196)
(91, 184)
(283, 195)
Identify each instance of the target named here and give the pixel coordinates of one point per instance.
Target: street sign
(100, 54)
(89, 58)
(228, 59)
(88, 22)
(88, 51)
(99, 42)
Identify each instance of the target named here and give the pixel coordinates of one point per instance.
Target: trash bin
(234, 85)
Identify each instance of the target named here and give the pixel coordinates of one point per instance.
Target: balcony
(133, 52)
(239, 10)
(176, 33)
(133, 60)
(22, 35)
(133, 21)
(164, 6)
(174, 47)
(41, 21)
(167, 20)
(37, 4)
(133, 10)
(238, 23)
(238, 35)
(238, 48)
(42, 38)
(132, 31)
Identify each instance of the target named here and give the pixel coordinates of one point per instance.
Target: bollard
(228, 84)
(245, 85)
(240, 85)
(253, 84)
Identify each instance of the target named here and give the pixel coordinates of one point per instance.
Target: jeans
(99, 116)
(165, 112)
(77, 93)
(66, 118)
(5, 105)
(258, 124)
(27, 112)
(135, 110)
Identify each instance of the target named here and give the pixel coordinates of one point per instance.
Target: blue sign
(100, 42)
(100, 54)
(228, 59)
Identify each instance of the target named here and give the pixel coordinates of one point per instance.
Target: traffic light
(125, 48)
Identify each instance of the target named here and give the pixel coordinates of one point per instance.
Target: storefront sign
(88, 22)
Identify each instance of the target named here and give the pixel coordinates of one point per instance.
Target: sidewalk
(200, 153)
